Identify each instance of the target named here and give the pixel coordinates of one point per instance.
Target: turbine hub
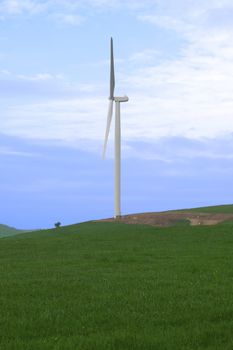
(121, 99)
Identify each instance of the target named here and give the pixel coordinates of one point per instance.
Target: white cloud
(144, 56)
(166, 22)
(71, 19)
(187, 96)
(39, 77)
(81, 122)
(17, 7)
(7, 151)
(106, 4)
(190, 95)
(61, 9)
(5, 72)
(68, 121)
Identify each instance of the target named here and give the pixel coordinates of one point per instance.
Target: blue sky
(174, 59)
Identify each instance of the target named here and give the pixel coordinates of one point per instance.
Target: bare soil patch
(171, 218)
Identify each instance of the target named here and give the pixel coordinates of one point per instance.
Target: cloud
(39, 77)
(71, 19)
(67, 121)
(44, 85)
(8, 151)
(53, 9)
(81, 122)
(186, 95)
(188, 17)
(166, 22)
(18, 7)
(106, 4)
(145, 56)
(61, 9)
(5, 72)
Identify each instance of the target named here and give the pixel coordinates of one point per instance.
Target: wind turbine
(117, 101)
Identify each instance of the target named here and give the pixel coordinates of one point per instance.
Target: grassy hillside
(105, 286)
(218, 209)
(195, 216)
(8, 231)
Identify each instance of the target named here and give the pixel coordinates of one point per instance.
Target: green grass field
(102, 286)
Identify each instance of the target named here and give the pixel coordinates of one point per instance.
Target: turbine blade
(109, 119)
(112, 73)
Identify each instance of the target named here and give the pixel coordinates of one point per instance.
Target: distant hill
(195, 216)
(216, 209)
(8, 231)
(212, 215)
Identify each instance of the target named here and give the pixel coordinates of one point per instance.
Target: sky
(173, 58)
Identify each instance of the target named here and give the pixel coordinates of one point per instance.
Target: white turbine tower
(117, 100)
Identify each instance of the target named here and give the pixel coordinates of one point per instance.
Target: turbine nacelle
(121, 99)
